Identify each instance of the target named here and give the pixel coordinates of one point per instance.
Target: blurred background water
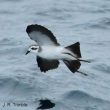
(86, 21)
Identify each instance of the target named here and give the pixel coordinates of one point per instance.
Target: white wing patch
(40, 38)
(41, 35)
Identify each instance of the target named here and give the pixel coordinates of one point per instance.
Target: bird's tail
(74, 65)
(75, 49)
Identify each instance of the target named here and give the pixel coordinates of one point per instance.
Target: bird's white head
(33, 49)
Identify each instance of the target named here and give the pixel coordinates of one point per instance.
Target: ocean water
(21, 82)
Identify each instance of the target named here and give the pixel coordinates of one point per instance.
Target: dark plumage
(43, 30)
(75, 48)
(46, 65)
(73, 65)
(46, 104)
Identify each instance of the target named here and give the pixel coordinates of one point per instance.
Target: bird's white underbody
(54, 53)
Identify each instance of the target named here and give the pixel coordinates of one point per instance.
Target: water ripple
(103, 68)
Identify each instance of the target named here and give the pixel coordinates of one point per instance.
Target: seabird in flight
(49, 51)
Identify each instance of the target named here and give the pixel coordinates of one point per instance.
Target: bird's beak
(27, 52)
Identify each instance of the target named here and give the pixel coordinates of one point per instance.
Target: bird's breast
(51, 52)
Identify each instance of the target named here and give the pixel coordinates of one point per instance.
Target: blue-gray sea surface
(86, 21)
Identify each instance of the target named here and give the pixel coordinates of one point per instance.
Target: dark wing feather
(72, 65)
(46, 65)
(41, 35)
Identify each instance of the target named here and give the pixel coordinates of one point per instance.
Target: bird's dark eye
(33, 48)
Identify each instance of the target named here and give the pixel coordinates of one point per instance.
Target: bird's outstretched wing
(41, 35)
(46, 65)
